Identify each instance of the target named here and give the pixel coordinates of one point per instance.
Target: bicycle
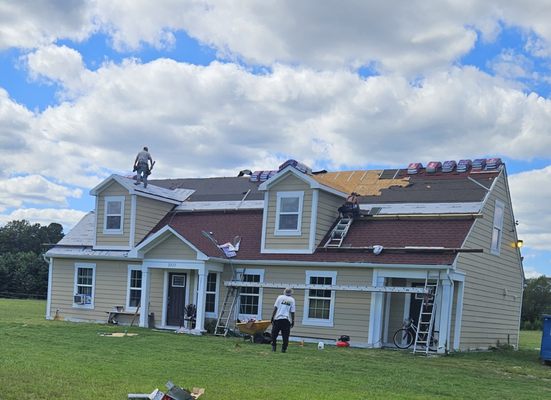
(405, 336)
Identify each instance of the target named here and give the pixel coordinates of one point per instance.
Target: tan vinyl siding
(148, 213)
(156, 285)
(328, 205)
(113, 189)
(289, 184)
(493, 283)
(110, 288)
(172, 249)
(351, 312)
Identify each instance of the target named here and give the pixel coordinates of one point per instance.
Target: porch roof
(224, 226)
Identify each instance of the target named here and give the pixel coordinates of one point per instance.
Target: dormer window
(289, 213)
(114, 215)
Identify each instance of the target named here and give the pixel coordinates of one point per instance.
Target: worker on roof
(143, 164)
(351, 207)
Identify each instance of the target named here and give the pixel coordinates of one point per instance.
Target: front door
(176, 301)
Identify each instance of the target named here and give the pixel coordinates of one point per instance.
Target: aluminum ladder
(339, 232)
(227, 313)
(424, 339)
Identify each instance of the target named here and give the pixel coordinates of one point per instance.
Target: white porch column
(445, 316)
(374, 338)
(458, 315)
(201, 295)
(144, 301)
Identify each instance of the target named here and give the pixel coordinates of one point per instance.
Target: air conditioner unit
(79, 299)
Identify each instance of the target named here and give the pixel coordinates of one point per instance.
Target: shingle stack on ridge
(414, 168)
(479, 164)
(464, 165)
(493, 163)
(433, 167)
(449, 166)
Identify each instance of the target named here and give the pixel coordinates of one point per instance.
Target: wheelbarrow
(255, 329)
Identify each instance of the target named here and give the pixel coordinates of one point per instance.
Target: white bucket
(321, 346)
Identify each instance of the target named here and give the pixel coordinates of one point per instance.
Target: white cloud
(530, 273)
(531, 206)
(33, 189)
(45, 216)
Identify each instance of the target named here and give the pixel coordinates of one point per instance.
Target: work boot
(274, 348)
(284, 350)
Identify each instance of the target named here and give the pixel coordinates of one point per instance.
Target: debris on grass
(117, 334)
(174, 393)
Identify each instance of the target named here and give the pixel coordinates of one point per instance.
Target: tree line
(23, 270)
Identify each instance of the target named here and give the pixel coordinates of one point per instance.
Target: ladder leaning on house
(425, 341)
(228, 312)
(339, 232)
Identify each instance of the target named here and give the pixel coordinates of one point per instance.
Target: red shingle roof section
(388, 233)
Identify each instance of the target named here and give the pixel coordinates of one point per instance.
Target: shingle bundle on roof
(493, 163)
(414, 168)
(464, 165)
(479, 164)
(449, 166)
(433, 167)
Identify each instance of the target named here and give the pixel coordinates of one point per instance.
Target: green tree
(536, 302)
(23, 270)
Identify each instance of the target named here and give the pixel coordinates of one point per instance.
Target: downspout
(50, 279)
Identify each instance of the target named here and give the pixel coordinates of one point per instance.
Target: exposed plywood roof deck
(365, 183)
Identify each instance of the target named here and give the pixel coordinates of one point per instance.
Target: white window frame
(497, 228)
(212, 314)
(258, 316)
(131, 268)
(107, 200)
(317, 321)
(297, 230)
(76, 285)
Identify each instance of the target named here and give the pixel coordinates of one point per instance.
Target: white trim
(174, 264)
(118, 248)
(50, 282)
(106, 201)
(375, 311)
(95, 241)
(388, 298)
(302, 176)
(164, 310)
(264, 222)
(220, 205)
(313, 220)
(306, 320)
(458, 315)
(128, 280)
(132, 238)
(166, 283)
(285, 195)
(249, 271)
(161, 236)
(144, 300)
(75, 285)
(497, 224)
(213, 314)
(424, 208)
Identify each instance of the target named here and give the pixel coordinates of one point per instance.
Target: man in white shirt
(283, 319)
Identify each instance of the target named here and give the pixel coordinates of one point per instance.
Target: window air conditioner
(79, 299)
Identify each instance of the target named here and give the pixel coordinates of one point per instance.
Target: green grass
(42, 359)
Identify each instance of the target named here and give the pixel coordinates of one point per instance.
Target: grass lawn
(42, 359)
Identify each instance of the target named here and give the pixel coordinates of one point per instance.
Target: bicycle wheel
(403, 338)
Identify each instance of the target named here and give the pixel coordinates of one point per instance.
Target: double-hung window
(84, 285)
(319, 304)
(289, 213)
(212, 288)
(134, 292)
(114, 215)
(497, 231)
(250, 298)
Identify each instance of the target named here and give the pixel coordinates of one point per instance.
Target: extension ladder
(424, 339)
(228, 312)
(339, 232)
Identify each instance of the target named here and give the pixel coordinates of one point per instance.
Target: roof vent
(297, 165)
(414, 168)
(449, 166)
(433, 167)
(464, 165)
(493, 163)
(479, 164)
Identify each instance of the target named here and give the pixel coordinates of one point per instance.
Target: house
(153, 251)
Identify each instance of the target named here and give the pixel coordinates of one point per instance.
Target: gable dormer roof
(175, 196)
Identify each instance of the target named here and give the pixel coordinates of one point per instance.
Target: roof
(396, 233)
(359, 181)
(82, 233)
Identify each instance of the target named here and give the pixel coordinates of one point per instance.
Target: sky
(214, 87)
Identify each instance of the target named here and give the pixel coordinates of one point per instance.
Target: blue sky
(214, 88)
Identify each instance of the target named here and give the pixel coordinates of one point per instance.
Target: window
(288, 213)
(210, 303)
(114, 215)
(319, 304)
(497, 231)
(250, 298)
(134, 294)
(85, 278)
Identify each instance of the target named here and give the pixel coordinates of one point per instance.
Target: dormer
(126, 212)
(298, 211)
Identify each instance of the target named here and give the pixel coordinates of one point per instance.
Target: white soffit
(85, 252)
(424, 208)
(220, 205)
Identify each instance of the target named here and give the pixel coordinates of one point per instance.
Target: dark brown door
(176, 299)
